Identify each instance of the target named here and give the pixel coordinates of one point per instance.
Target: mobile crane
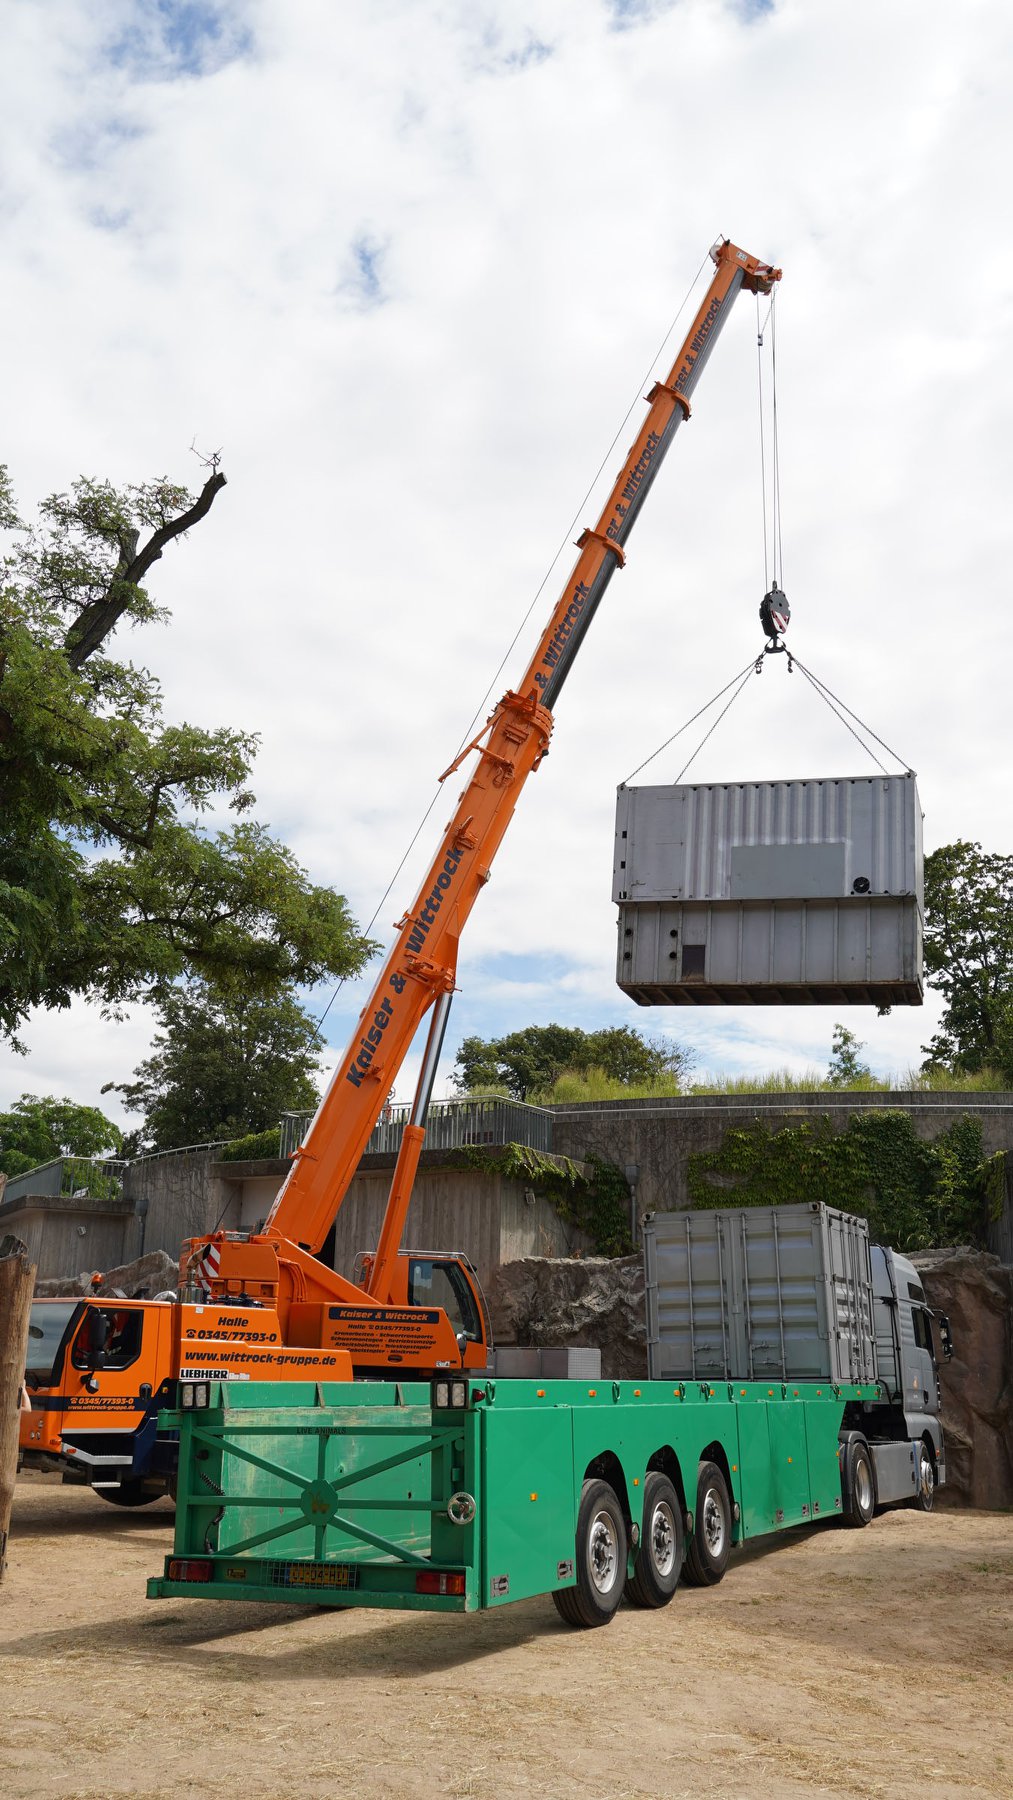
(262, 1305)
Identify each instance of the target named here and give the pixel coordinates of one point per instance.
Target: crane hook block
(774, 613)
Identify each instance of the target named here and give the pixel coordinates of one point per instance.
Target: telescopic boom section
(422, 965)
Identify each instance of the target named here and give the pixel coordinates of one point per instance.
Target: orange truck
(262, 1306)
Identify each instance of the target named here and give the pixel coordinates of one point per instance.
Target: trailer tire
(859, 1484)
(130, 1493)
(710, 1542)
(662, 1546)
(600, 1559)
(925, 1486)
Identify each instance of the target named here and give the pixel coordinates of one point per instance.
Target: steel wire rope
(828, 696)
(779, 572)
(709, 734)
(508, 652)
(763, 452)
(751, 664)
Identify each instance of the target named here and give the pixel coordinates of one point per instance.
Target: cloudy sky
(408, 263)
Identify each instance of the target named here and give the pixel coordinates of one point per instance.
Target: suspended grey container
(771, 893)
(759, 1293)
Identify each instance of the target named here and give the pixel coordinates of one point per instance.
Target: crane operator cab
(432, 1283)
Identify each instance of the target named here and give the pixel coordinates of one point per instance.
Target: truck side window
(109, 1338)
(433, 1283)
(923, 1329)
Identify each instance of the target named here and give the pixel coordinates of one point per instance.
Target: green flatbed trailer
(382, 1494)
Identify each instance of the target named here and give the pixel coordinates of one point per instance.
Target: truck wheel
(859, 1484)
(925, 1492)
(600, 1559)
(659, 1560)
(711, 1543)
(130, 1493)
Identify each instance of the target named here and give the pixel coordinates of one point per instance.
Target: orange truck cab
(99, 1370)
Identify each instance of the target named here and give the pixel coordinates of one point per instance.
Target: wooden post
(17, 1284)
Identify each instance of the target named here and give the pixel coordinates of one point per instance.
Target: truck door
(923, 1362)
(108, 1378)
(51, 1324)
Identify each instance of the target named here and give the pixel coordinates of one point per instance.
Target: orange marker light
(534, 1496)
(539, 1393)
(636, 1393)
(636, 1480)
(592, 1393)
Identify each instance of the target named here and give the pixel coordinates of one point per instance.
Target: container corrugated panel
(770, 840)
(858, 952)
(780, 1293)
(768, 893)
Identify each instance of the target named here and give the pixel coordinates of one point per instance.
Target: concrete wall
(182, 1201)
(69, 1237)
(661, 1135)
(483, 1214)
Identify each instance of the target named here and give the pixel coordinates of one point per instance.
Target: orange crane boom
(421, 967)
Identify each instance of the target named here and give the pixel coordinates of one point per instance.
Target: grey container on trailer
(759, 1293)
(767, 893)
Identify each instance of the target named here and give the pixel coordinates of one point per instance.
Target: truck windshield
(47, 1323)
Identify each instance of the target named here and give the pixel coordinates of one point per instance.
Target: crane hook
(774, 616)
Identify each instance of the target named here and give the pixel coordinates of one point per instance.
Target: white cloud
(407, 264)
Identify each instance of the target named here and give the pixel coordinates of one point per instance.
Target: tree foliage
(846, 1067)
(39, 1128)
(107, 889)
(527, 1062)
(223, 1065)
(969, 958)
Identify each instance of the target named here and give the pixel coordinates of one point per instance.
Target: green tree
(529, 1061)
(969, 958)
(223, 1065)
(39, 1128)
(846, 1066)
(105, 889)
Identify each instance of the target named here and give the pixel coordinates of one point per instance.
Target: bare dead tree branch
(90, 630)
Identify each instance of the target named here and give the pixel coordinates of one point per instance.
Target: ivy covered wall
(916, 1193)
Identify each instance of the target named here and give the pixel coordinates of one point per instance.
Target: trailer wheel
(711, 1542)
(859, 1484)
(600, 1559)
(925, 1491)
(659, 1560)
(130, 1493)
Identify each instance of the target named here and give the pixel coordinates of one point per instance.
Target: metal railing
(450, 1125)
(69, 1177)
(457, 1124)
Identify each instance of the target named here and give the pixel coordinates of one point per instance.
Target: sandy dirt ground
(835, 1662)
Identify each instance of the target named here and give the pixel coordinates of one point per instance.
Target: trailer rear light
(187, 1568)
(450, 1394)
(194, 1393)
(437, 1581)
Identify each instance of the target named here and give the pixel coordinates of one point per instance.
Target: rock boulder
(976, 1293)
(142, 1279)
